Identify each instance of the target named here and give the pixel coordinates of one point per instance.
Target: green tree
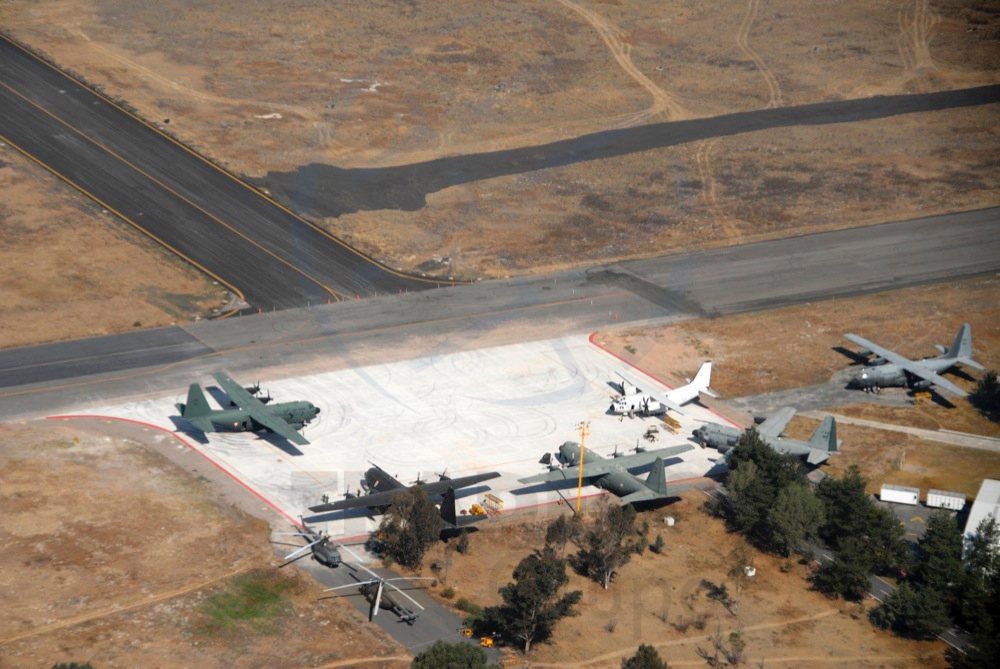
(645, 657)
(915, 611)
(847, 575)
(979, 607)
(757, 475)
(72, 665)
(851, 514)
(451, 656)
(939, 554)
(561, 531)
(794, 518)
(410, 526)
(531, 603)
(986, 396)
(608, 544)
(846, 506)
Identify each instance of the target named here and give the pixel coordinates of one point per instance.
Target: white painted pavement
(495, 409)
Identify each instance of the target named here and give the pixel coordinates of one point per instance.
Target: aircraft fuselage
(296, 414)
(890, 375)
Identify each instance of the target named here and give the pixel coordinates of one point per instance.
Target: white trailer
(899, 494)
(945, 499)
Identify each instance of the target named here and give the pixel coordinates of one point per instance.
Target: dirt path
(115, 609)
(916, 24)
(356, 661)
(953, 438)
(743, 41)
(688, 640)
(664, 103)
(187, 91)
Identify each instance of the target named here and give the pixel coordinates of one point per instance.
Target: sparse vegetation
(255, 600)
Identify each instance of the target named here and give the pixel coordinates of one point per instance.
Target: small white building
(945, 499)
(899, 494)
(987, 503)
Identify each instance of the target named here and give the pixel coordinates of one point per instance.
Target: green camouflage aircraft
(248, 412)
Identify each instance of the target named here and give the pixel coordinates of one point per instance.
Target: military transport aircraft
(614, 474)
(249, 412)
(821, 445)
(633, 401)
(381, 487)
(889, 369)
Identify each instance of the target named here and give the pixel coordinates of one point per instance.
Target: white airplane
(634, 401)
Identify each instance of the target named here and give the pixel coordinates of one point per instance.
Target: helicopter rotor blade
(378, 599)
(415, 602)
(294, 559)
(352, 585)
(303, 549)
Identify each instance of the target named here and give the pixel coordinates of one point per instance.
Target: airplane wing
(910, 366)
(257, 410)
(817, 456)
(386, 498)
(775, 424)
(662, 398)
(603, 466)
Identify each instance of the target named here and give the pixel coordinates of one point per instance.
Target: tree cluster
(943, 590)
(410, 526)
(769, 499)
(986, 396)
(532, 603)
(610, 541)
(451, 656)
(865, 537)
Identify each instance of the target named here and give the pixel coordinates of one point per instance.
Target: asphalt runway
(271, 257)
(58, 377)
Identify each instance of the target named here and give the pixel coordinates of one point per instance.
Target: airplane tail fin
(448, 513)
(703, 379)
(196, 406)
(962, 346)
(825, 436)
(657, 479)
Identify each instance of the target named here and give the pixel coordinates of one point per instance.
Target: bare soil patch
(110, 553)
(660, 600)
(68, 269)
(375, 84)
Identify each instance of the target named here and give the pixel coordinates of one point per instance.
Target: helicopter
(322, 549)
(382, 593)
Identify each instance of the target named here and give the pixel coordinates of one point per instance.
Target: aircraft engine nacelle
(619, 483)
(877, 361)
(921, 385)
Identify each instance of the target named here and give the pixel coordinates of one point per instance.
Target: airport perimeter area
(495, 409)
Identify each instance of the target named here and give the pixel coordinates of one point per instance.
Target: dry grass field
(114, 555)
(270, 89)
(660, 600)
(69, 270)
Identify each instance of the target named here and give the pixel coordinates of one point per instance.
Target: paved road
(263, 252)
(951, 437)
(736, 279)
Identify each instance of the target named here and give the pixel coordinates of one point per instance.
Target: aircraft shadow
(856, 358)
(185, 428)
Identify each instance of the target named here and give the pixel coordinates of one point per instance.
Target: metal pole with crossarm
(584, 431)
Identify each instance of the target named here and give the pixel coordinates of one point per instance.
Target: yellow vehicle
(486, 641)
(467, 632)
